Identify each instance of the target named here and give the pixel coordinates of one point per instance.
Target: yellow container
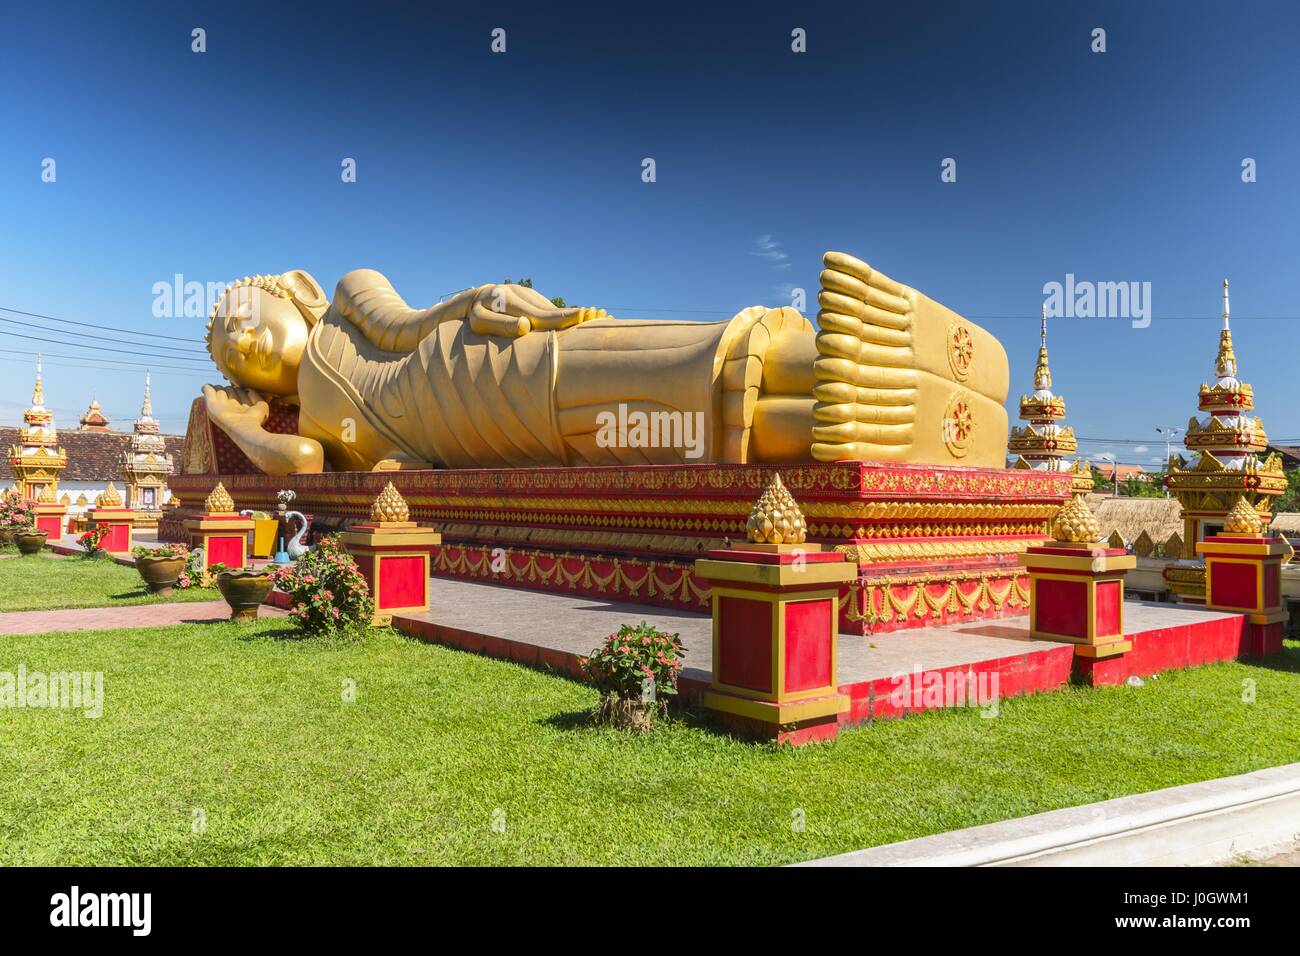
(264, 537)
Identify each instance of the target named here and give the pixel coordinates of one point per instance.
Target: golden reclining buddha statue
(498, 376)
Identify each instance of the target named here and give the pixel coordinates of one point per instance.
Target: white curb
(1192, 825)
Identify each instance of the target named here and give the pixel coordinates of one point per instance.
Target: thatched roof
(1158, 517)
(1287, 522)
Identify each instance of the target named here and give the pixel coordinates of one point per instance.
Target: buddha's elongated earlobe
(308, 295)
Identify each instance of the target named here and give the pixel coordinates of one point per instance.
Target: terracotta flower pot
(6, 537)
(245, 590)
(30, 542)
(627, 713)
(160, 573)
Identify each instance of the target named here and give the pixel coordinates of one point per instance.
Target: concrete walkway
(1198, 824)
(106, 618)
(575, 624)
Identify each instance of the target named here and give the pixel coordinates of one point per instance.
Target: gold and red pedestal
(49, 518)
(1076, 586)
(392, 554)
(1243, 573)
(775, 631)
(109, 514)
(220, 532)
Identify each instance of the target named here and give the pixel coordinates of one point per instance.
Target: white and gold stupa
(1043, 442)
(1226, 468)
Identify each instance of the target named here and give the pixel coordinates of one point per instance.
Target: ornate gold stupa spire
(1042, 374)
(37, 460)
(1043, 443)
(1225, 365)
(38, 392)
(1226, 475)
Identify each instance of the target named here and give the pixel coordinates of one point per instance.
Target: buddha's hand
(241, 413)
(515, 310)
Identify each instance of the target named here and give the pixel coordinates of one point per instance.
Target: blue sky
(473, 167)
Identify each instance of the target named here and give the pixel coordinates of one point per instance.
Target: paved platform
(552, 630)
(107, 618)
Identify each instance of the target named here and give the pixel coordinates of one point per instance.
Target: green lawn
(47, 581)
(251, 727)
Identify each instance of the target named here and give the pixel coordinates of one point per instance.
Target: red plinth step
(223, 536)
(118, 522)
(775, 634)
(1077, 595)
(393, 557)
(1244, 573)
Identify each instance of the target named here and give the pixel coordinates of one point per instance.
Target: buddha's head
(259, 327)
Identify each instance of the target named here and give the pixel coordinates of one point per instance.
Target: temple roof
(94, 418)
(92, 455)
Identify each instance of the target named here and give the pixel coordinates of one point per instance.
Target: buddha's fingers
(565, 318)
(486, 322)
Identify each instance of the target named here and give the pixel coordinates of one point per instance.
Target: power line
(184, 353)
(98, 348)
(93, 325)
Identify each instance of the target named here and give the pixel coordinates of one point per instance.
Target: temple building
(94, 419)
(36, 460)
(1225, 468)
(146, 465)
(1043, 443)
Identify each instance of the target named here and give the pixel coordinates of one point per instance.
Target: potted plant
(635, 671)
(161, 567)
(17, 514)
(244, 590)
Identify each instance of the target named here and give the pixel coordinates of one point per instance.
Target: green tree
(1290, 499)
(556, 300)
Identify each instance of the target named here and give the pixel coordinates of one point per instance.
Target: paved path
(104, 618)
(576, 624)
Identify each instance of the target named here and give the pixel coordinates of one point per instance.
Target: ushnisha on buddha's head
(259, 327)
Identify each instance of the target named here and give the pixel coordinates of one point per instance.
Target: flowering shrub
(164, 551)
(622, 666)
(326, 590)
(91, 540)
(17, 513)
(191, 575)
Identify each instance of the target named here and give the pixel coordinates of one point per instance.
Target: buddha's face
(257, 339)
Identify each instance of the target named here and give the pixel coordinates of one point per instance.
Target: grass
(251, 732)
(46, 582)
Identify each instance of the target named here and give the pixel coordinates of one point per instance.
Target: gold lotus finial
(1076, 523)
(1243, 519)
(46, 497)
(775, 517)
(219, 501)
(109, 497)
(389, 507)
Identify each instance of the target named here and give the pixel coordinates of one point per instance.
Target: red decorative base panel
(933, 544)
